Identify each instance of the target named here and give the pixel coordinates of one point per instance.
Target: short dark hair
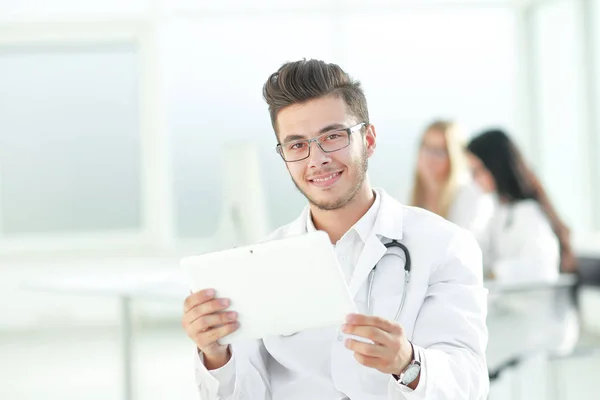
(300, 81)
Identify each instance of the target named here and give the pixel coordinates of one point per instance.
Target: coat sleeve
(244, 377)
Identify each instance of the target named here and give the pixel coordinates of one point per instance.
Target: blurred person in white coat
(525, 240)
(442, 182)
(432, 348)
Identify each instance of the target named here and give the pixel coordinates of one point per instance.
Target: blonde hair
(455, 148)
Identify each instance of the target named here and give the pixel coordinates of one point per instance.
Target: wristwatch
(411, 372)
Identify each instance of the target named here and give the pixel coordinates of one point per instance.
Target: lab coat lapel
(370, 256)
(388, 225)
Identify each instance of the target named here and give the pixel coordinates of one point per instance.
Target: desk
(159, 285)
(564, 281)
(505, 342)
(517, 310)
(530, 320)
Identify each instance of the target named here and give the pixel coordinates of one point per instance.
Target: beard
(361, 166)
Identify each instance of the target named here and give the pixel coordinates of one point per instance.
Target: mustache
(323, 172)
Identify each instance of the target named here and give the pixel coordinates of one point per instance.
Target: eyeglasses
(435, 152)
(329, 142)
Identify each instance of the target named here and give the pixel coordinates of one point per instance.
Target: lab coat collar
(388, 226)
(390, 218)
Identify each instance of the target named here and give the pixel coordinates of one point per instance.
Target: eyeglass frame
(437, 153)
(348, 130)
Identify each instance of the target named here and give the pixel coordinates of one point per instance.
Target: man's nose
(317, 156)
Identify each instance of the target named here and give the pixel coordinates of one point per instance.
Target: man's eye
(297, 146)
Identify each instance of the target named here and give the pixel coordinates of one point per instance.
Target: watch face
(411, 374)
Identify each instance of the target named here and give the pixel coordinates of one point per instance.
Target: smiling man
(426, 328)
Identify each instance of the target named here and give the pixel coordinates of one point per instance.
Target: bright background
(130, 130)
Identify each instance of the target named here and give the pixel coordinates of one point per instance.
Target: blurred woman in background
(442, 183)
(525, 240)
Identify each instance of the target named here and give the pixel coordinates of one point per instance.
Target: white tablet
(278, 287)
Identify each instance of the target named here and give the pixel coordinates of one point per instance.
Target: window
(69, 139)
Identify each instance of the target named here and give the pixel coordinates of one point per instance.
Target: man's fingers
(371, 320)
(210, 307)
(197, 298)
(210, 321)
(213, 335)
(366, 349)
(368, 332)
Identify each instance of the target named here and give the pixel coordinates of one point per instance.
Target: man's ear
(370, 139)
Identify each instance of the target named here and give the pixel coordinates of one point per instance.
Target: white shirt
(444, 317)
(351, 244)
(520, 245)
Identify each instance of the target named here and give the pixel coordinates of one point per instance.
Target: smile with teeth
(327, 178)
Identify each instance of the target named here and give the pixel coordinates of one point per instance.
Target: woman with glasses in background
(442, 183)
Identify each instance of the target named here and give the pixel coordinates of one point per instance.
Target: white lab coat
(444, 316)
(519, 244)
(520, 247)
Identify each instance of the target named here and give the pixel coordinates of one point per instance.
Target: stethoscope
(393, 243)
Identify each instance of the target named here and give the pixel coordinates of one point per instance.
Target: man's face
(328, 180)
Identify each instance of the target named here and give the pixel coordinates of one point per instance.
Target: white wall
(567, 157)
(560, 112)
(27, 10)
(418, 65)
(596, 110)
(201, 67)
(214, 96)
(212, 58)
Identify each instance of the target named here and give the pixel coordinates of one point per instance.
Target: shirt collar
(363, 227)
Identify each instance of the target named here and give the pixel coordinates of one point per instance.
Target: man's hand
(205, 322)
(391, 352)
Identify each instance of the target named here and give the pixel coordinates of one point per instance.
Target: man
(434, 349)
